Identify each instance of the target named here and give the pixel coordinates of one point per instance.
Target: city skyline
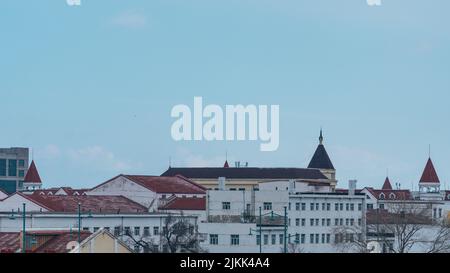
(90, 88)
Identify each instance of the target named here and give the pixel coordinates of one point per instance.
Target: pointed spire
(321, 137)
(320, 159)
(387, 184)
(32, 175)
(429, 173)
(226, 165)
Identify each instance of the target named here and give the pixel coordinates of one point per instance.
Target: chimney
(352, 187)
(222, 183)
(291, 186)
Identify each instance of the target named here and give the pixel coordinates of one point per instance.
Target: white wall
(15, 202)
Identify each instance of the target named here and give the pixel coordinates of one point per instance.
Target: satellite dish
(72, 245)
(374, 247)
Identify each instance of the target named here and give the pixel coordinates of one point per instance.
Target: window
(440, 213)
(213, 239)
(336, 206)
(2, 167)
(107, 228)
(311, 206)
(289, 206)
(116, 231)
(137, 231)
(317, 206)
(233, 189)
(336, 222)
(297, 222)
(341, 222)
(267, 206)
(347, 206)
(226, 205)
(341, 206)
(303, 222)
(297, 206)
(12, 167)
(266, 239)
(297, 238)
(434, 213)
(96, 229)
(146, 231)
(328, 238)
(21, 173)
(328, 222)
(258, 240)
(241, 189)
(303, 206)
(359, 207)
(303, 239)
(323, 238)
(311, 238)
(311, 222)
(323, 206)
(328, 206)
(274, 239)
(317, 238)
(352, 207)
(369, 206)
(381, 206)
(359, 222)
(281, 239)
(234, 240)
(21, 163)
(347, 222)
(127, 230)
(155, 230)
(317, 222)
(85, 229)
(352, 222)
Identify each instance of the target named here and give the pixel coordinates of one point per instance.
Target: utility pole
(260, 231)
(285, 230)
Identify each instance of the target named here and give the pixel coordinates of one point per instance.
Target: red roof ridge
(32, 175)
(429, 174)
(387, 184)
(190, 181)
(29, 198)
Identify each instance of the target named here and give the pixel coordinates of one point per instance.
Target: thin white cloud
(187, 159)
(99, 157)
(130, 19)
(374, 2)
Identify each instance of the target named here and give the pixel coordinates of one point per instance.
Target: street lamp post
(79, 223)
(23, 229)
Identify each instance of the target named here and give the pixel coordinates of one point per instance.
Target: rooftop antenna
(170, 161)
(429, 150)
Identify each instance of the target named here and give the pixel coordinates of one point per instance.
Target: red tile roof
(391, 194)
(9, 242)
(58, 244)
(164, 184)
(57, 241)
(429, 174)
(32, 175)
(387, 184)
(53, 191)
(185, 204)
(92, 203)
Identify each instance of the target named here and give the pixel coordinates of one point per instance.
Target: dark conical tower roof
(320, 159)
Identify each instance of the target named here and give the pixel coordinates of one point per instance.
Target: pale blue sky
(90, 88)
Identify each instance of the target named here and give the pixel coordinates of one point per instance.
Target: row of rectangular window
(118, 231)
(326, 206)
(13, 164)
(325, 222)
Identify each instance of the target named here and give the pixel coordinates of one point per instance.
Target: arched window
(392, 195)
(382, 196)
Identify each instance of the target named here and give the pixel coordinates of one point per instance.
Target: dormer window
(382, 196)
(392, 196)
